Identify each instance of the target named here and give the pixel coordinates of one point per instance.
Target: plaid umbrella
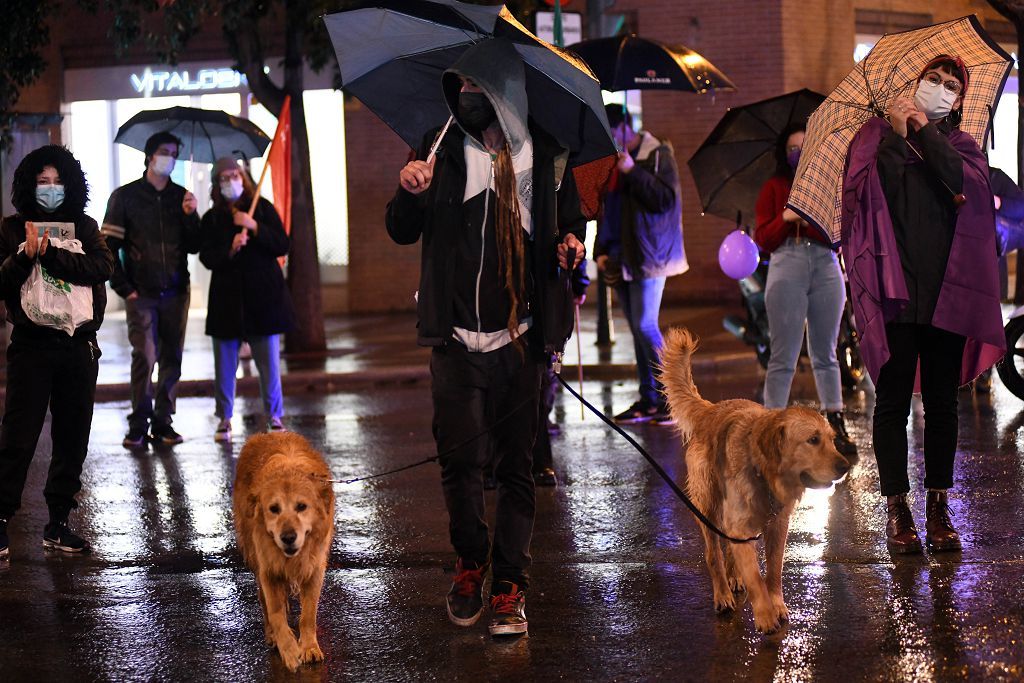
(889, 71)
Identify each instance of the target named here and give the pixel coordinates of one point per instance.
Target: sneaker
(509, 607)
(166, 435)
(275, 425)
(4, 541)
(663, 417)
(223, 433)
(135, 438)
(465, 599)
(641, 411)
(57, 536)
(545, 477)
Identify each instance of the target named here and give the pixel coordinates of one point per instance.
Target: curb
(305, 381)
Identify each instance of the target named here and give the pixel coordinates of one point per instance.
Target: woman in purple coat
(918, 229)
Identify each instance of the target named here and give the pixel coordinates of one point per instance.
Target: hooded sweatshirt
(480, 316)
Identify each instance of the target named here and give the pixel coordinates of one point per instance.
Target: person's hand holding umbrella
(570, 242)
(626, 162)
(416, 176)
(188, 203)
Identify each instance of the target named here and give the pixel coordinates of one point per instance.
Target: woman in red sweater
(805, 287)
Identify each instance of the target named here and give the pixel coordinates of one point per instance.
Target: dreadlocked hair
(509, 235)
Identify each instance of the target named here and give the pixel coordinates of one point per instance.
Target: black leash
(439, 455)
(657, 468)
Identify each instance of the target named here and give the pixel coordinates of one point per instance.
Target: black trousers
(471, 391)
(542, 456)
(940, 354)
(156, 331)
(56, 371)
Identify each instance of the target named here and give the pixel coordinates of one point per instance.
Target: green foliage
(23, 35)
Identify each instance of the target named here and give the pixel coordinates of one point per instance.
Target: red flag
(280, 162)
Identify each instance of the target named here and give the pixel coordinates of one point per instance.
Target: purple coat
(968, 302)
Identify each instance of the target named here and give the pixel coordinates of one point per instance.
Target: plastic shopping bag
(52, 302)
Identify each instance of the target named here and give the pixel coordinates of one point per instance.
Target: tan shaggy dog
(746, 469)
(284, 519)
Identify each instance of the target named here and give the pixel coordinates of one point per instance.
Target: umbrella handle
(437, 140)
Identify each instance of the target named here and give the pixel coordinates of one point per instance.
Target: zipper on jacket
(483, 246)
(163, 254)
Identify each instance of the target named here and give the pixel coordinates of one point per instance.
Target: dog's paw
(766, 620)
(291, 655)
(724, 602)
(311, 653)
(781, 611)
(736, 585)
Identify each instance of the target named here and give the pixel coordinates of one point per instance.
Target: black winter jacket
(248, 294)
(437, 214)
(156, 237)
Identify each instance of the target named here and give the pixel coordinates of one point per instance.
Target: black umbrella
(635, 63)
(206, 135)
(739, 156)
(392, 53)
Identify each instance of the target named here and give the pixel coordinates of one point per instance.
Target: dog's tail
(684, 401)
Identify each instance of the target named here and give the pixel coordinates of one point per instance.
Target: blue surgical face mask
(231, 189)
(49, 197)
(793, 158)
(163, 164)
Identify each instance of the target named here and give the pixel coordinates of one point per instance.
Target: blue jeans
(266, 352)
(641, 302)
(805, 284)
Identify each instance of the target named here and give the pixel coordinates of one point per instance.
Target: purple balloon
(738, 256)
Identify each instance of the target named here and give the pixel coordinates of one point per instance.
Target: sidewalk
(367, 349)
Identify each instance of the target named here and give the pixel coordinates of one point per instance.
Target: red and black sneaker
(465, 599)
(508, 603)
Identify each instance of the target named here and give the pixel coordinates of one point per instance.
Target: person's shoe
(939, 532)
(545, 477)
(5, 550)
(554, 429)
(900, 532)
(57, 536)
(844, 444)
(641, 411)
(275, 425)
(135, 438)
(165, 435)
(508, 605)
(465, 598)
(223, 433)
(663, 417)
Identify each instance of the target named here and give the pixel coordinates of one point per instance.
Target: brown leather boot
(900, 532)
(940, 533)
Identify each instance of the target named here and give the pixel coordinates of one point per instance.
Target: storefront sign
(149, 81)
(572, 27)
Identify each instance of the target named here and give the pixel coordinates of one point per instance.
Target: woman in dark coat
(47, 367)
(248, 298)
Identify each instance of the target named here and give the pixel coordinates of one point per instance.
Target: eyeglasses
(952, 85)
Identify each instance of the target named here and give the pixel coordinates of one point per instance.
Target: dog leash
(657, 468)
(437, 457)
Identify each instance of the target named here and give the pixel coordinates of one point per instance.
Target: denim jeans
(472, 391)
(805, 285)
(266, 352)
(641, 302)
(156, 331)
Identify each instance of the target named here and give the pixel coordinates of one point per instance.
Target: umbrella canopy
(889, 71)
(206, 135)
(738, 156)
(635, 63)
(392, 53)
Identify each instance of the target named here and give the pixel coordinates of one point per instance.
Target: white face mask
(162, 164)
(231, 189)
(933, 100)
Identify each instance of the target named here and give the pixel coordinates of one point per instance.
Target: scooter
(753, 329)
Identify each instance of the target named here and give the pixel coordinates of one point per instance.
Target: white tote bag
(52, 302)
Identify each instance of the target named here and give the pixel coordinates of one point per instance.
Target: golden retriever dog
(746, 469)
(284, 520)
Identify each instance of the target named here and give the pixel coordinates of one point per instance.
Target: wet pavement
(619, 586)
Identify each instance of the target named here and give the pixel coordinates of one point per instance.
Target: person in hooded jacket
(249, 300)
(497, 211)
(47, 368)
(640, 244)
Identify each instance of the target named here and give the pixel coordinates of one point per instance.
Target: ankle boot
(940, 534)
(844, 444)
(900, 532)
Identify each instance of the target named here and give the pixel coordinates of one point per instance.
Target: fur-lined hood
(23, 188)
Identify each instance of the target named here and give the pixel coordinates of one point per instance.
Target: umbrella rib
(209, 137)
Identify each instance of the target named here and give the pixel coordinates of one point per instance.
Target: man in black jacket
(498, 212)
(153, 221)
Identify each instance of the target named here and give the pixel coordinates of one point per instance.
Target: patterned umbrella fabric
(889, 71)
